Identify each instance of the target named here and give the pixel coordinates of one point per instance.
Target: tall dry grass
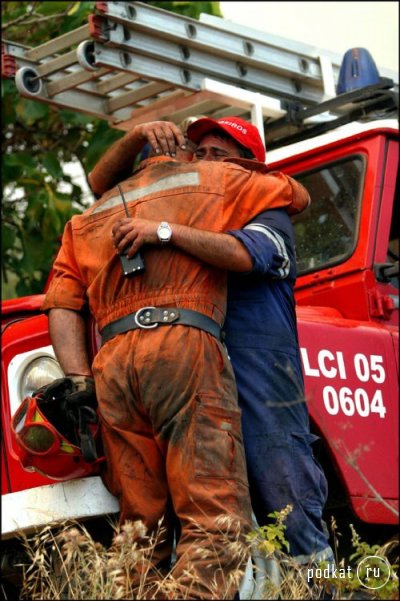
(70, 564)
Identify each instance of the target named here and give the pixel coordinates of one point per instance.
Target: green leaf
(51, 8)
(52, 165)
(8, 237)
(30, 256)
(74, 118)
(51, 224)
(74, 9)
(22, 159)
(10, 170)
(101, 139)
(30, 111)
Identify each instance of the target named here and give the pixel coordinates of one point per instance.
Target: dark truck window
(391, 273)
(326, 231)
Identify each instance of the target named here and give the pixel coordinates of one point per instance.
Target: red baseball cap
(239, 129)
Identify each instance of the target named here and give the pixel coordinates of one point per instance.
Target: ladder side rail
(299, 48)
(206, 60)
(146, 67)
(165, 24)
(80, 101)
(13, 48)
(270, 59)
(190, 76)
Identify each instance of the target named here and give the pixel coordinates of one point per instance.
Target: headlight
(37, 373)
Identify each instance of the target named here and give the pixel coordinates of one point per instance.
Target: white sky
(335, 26)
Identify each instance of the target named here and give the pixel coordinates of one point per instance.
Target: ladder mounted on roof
(134, 63)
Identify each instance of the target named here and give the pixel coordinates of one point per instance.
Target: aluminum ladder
(133, 63)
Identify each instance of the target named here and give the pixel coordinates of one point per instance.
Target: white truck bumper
(37, 507)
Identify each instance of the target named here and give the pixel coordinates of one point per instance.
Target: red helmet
(55, 452)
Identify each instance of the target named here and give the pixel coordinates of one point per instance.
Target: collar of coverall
(157, 159)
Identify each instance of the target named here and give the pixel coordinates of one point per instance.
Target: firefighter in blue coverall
(260, 328)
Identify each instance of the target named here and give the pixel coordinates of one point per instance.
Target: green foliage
(371, 570)
(190, 9)
(270, 538)
(39, 139)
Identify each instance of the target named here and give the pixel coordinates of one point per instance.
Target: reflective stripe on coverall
(167, 396)
(202, 195)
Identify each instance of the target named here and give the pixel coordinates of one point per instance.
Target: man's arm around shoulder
(117, 163)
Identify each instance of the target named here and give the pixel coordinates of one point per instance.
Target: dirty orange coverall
(167, 396)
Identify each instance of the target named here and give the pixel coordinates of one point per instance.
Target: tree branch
(38, 18)
(18, 19)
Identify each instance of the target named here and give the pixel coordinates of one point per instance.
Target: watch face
(164, 232)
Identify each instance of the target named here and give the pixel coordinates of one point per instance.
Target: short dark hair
(245, 153)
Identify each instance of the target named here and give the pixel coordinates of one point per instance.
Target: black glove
(74, 390)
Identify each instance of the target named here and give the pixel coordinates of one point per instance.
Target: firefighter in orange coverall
(167, 396)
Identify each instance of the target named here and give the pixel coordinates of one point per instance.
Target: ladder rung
(175, 107)
(154, 111)
(59, 43)
(115, 82)
(135, 96)
(82, 102)
(73, 80)
(57, 64)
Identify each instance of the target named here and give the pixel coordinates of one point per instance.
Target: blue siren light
(358, 70)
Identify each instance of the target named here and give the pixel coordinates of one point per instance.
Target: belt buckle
(141, 317)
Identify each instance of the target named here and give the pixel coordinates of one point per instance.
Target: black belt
(151, 317)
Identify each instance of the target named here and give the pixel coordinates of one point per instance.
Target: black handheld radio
(135, 264)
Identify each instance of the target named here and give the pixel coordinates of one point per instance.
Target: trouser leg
(282, 469)
(135, 465)
(178, 432)
(198, 425)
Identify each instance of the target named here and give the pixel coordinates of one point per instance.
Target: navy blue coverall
(261, 338)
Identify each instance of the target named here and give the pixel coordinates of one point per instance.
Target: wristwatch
(164, 232)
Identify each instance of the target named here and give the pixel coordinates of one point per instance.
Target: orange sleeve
(248, 193)
(300, 197)
(66, 290)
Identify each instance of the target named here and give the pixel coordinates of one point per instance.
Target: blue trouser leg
(281, 467)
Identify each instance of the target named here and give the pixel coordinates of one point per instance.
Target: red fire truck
(344, 149)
